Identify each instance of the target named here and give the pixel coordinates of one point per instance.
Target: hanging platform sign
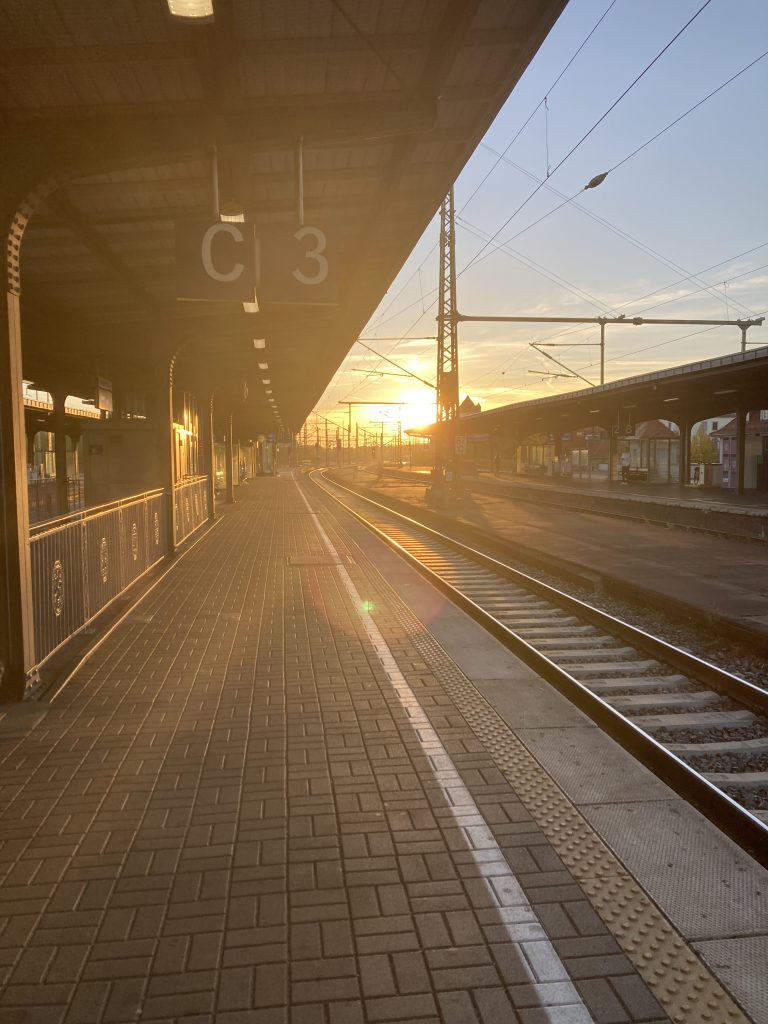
(297, 266)
(230, 262)
(216, 262)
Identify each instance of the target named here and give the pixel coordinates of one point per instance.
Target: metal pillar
(685, 452)
(741, 446)
(447, 359)
(611, 452)
(228, 456)
(206, 425)
(299, 175)
(17, 648)
(602, 350)
(166, 461)
(60, 450)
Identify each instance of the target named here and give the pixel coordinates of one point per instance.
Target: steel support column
(206, 425)
(685, 451)
(17, 651)
(228, 457)
(166, 453)
(60, 449)
(611, 452)
(741, 446)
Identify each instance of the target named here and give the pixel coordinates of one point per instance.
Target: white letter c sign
(208, 239)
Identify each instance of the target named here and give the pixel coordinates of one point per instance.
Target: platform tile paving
(225, 817)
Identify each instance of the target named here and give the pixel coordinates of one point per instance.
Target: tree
(703, 447)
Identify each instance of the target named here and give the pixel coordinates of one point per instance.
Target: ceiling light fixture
(199, 11)
(251, 307)
(259, 342)
(265, 380)
(263, 366)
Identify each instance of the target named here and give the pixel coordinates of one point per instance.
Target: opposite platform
(272, 795)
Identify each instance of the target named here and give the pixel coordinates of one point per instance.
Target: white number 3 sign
(316, 254)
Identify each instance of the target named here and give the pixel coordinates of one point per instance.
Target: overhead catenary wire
(579, 330)
(538, 268)
(587, 134)
(576, 330)
(661, 344)
(535, 110)
(479, 256)
(678, 281)
(570, 199)
(638, 149)
(542, 183)
(690, 110)
(509, 146)
(608, 225)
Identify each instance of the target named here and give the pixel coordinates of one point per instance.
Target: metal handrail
(179, 484)
(60, 522)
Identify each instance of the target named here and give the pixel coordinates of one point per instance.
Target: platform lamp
(199, 12)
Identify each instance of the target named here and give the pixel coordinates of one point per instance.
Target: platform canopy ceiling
(126, 103)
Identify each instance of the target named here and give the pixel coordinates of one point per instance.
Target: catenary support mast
(447, 358)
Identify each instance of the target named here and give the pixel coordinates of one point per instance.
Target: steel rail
(749, 831)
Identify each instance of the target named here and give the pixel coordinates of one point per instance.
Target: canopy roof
(124, 102)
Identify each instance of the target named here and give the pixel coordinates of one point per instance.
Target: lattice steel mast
(447, 354)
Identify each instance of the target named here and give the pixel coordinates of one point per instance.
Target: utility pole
(444, 475)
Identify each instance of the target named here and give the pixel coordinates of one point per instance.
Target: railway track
(703, 730)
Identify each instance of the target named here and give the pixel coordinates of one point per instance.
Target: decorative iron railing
(83, 561)
(44, 498)
(190, 506)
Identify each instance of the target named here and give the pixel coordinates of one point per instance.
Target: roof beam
(265, 179)
(159, 219)
(63, 206)
(97, 140)
(176, 52)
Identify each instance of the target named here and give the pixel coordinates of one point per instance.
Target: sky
(642, 243)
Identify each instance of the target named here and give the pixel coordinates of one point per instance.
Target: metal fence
(82, 561)
(190, 506)
(44, 498)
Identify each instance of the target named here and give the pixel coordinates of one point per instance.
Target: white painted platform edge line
(456, 793)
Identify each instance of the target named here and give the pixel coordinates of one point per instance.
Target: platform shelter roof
(691, 392)
(111, 110)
